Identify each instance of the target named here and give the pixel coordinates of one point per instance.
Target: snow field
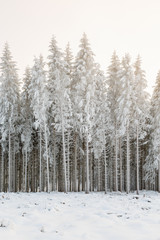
(75, 216)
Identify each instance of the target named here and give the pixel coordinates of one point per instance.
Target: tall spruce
(40, 105)
(27, 122)
(140, 103)
(83, 88)
(58, 85)
(114, 91)
(125, 113)
(9, 110)
(154, 160)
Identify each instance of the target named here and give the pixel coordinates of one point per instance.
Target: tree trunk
(9, 162)
(13, 170)
(64, 155)
(68, 163)
(87, 165)
(75, 163)
(128, 163)
(116, 157)
(90, 173)
(120, 156)
(137, 161)
(2, 171)
(99, 175)
(158, 175)
(105, 170)
(46, 145)
(40, 160)
(83, 167)
(26, 159)
(54, 163)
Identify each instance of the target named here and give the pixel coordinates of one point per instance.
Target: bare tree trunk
(46, 145)
(128, 163)
(9, 162)
(40, 161)
(99, 175)
(159, 176)
(120, 156)
(68, 163)
(87, 165)
(137, 161)
(18, 178)
(83, 167)
(111, 172)
(13, 170)
(64, 155)
(75, 163)
(26, 159)
(105, 170)
(2, 176)
(90, 167)
(116, 161)
(23, 172)
(54, 167)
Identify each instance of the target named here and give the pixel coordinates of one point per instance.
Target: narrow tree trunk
(159, 176)
(64, 155)
(26, 159)
(75, 163)
(105, 170)
(116, 160)
(83, 167)
(98, 173)
(13, 170)
(128, 163)
(46, 145)
(90, 173)
(137, 161)
(110, 171)
(17, 186)
(87, 165)
(2, 170)
(40, 161)
(23, 172)
(54, 163)
(68, 163)
(9, 161)
(33, 171)
(120, 156)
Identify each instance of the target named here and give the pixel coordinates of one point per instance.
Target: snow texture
(95, 216)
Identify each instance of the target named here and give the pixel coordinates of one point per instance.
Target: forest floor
(75, 216)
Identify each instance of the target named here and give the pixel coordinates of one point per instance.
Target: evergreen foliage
(73, 128)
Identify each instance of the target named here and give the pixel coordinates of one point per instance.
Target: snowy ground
(74, 216)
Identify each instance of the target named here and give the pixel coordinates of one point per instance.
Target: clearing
(75, 216)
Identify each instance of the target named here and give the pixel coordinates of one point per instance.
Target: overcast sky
(131, 26)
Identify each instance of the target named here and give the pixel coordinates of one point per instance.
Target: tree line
(68, 126)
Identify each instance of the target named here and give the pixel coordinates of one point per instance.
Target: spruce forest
(68, 126)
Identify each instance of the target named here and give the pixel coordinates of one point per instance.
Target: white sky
(131, 26)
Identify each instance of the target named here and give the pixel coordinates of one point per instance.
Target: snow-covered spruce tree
(27, 123)
(100, 128)
(83, 89)
(124, 110)
(58, 85)
(114, 87)
(153, 162)
(68, 57)
(9, 110)
(40, 105)
(140, 113)
(150, 166)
